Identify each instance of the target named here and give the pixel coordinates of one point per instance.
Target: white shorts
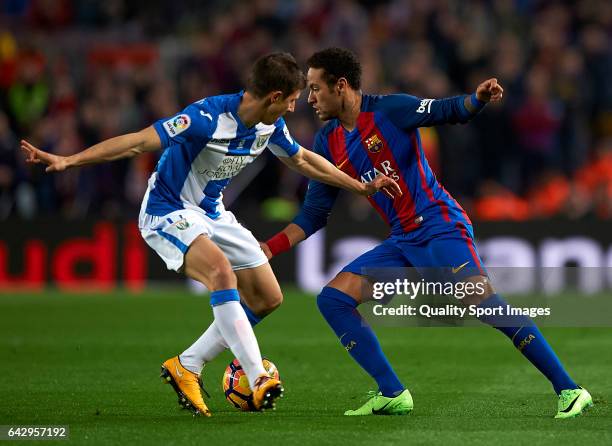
(171, 235)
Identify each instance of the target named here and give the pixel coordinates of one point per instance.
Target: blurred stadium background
(75, 72)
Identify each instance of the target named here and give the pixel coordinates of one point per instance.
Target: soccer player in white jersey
(183, 219)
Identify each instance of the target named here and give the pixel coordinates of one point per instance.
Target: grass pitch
(92, 362)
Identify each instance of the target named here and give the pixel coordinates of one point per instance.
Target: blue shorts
(450, 256)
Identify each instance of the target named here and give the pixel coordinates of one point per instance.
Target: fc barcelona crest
(373, 143)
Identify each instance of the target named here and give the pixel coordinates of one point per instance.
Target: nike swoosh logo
(340, 165)
(380, 411)
(180, 375)
(571, 405)
(208, 115)
(459, 268)
(343, 335)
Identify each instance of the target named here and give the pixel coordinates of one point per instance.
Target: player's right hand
(385, 184)
(34, 155)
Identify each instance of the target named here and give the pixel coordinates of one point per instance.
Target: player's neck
(250, 110)
(351, 107)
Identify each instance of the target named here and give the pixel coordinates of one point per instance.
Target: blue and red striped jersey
(386, 141)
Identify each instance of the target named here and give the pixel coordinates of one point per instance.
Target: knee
(331, 299)
(323, 300)
(222, 277)
(263, 304)
(480, 290)
(275, 302)
(352, 285)
(271, 303)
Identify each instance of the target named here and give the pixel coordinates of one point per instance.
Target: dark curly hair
(275, 72)
(337, 63)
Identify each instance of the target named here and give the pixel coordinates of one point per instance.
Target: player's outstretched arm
(123, 146)
(316, 167)
(409, 112)
(320, 198)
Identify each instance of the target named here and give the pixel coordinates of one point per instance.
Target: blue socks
(252, 317)
(340, 312)
(530, 342)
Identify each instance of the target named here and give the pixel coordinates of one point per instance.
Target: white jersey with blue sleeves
(205, 146)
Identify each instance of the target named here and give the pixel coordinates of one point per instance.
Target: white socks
(204, 350)
(231, 328)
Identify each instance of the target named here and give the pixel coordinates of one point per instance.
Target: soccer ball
(236, 385)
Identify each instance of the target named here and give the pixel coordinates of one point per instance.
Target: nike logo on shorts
(459, 268)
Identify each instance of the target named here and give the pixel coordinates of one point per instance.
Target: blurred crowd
(74, 72)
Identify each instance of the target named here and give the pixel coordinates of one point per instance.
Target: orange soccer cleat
(186, 384)
(267, 390)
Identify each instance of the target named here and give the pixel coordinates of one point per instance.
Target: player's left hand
(489, 91)
(385, 184)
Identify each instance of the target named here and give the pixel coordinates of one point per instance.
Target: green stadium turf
(92, 362)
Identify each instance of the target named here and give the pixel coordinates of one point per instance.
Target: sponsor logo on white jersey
(229, 167)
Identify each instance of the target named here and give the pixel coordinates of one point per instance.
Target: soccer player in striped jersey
(183, 218)
(369, 135)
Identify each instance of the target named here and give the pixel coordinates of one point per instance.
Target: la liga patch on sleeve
(177, 125)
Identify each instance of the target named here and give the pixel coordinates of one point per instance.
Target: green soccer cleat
(381, 405)
(573, 402)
